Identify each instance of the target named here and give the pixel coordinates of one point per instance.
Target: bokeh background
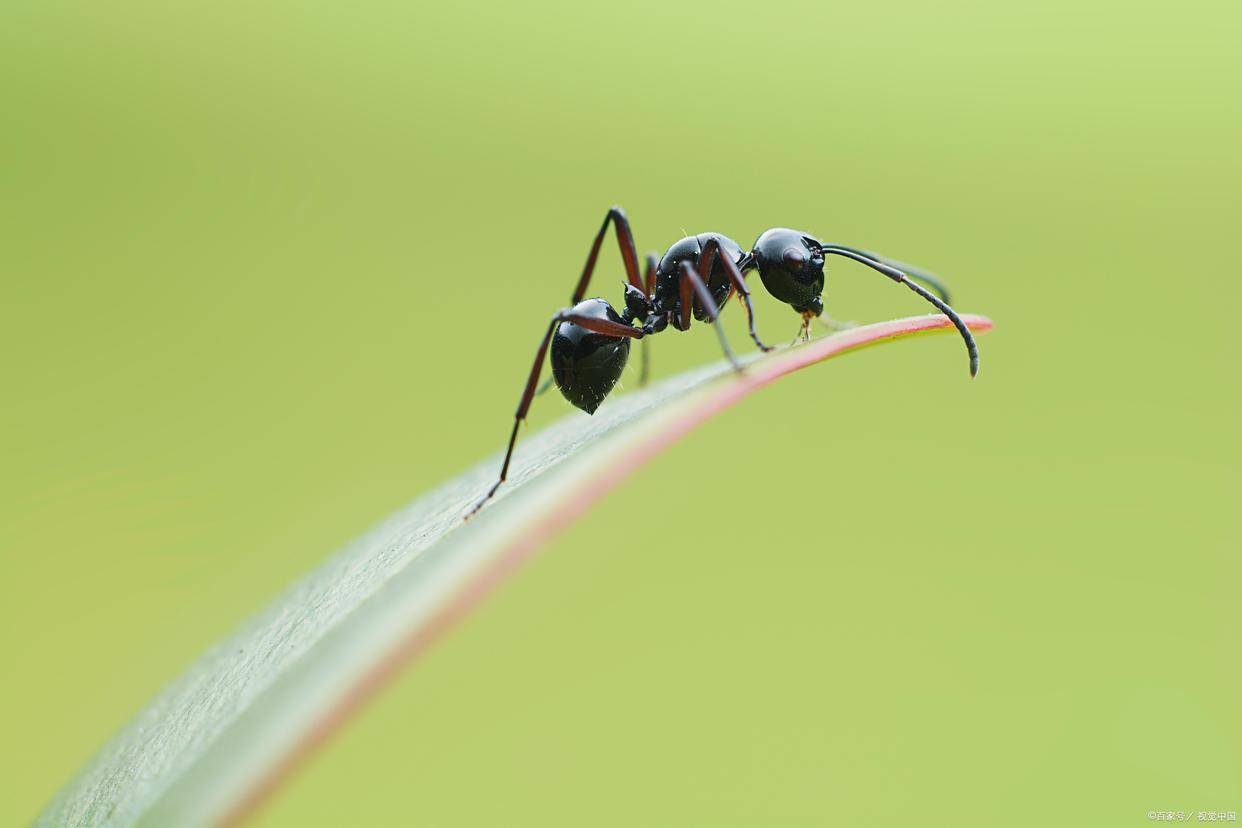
(271, 270)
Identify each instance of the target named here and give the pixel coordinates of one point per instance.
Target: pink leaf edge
(718, 397)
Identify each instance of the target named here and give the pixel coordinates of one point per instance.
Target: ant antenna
(912, 271)
(900, 277)
(938, 287)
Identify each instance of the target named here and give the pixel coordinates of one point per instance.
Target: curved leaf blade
(213, 744)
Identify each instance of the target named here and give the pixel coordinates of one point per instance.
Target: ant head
(791, 265)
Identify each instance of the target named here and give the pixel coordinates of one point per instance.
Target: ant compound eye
(795, 257)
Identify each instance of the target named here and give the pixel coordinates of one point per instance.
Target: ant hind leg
(644, 373)
(603, 326)
(629, 253)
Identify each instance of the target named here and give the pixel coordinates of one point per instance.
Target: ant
(695, 278)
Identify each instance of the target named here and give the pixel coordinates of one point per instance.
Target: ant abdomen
(586, 365)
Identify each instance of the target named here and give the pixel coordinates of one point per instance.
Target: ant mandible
(695, 277)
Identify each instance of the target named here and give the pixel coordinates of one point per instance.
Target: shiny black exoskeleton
(791, 266)
(590, 340)
(668, 275)
(586, 365)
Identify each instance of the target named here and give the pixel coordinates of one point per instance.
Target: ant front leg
(691, 281)
(591, 323)
(737, 282)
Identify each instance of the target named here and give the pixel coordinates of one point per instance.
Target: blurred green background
(272, 270)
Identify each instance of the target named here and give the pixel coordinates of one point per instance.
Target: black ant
(695, 277)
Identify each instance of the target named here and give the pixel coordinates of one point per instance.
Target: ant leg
(600, 326)
(603, 326)
(804, 332)
(629, 254)
(685, 296)
(712, 251)
(528, 394)
(690, 281)
(649, 281)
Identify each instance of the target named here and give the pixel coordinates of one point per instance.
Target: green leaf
(218, 740)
